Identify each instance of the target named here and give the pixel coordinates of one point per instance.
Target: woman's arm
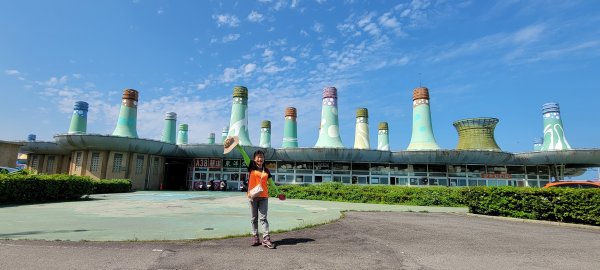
(244, 154)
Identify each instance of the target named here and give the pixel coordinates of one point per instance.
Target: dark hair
(258, 152)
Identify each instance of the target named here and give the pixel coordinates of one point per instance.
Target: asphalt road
(361, 240)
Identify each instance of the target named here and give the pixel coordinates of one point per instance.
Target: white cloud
(317, 27)
(303, 33)
(528, 34)
(272, 68)
(255, 17)
(12, 72)
(249, 68)
(267, 53)
(289, 59)
(160, 11)
(226, 19)
(388, 21)
(53, 81)
(230, 37)
(202, 85)
(516, 42)
(294, 4)
(229, 75)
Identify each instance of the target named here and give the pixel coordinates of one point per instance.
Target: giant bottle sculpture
(182, 135)
(361, 135)
(238, 125)
(290, 129)
(79, 118)
(126, 125)
(265, 134)
(554, 134)
(224, 133)
(329, 130)
(422, 131)
(169, 132)
(383, 137)
(476, 134)
(211, 138)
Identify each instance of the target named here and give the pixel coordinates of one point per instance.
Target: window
(77, 161)
(117, 163)
(139, 164)
(50, 164)
(95, 163)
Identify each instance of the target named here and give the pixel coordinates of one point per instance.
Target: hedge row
(45, 188)
(434, 196)
(553, 204)
(42, 188)
(112, 186)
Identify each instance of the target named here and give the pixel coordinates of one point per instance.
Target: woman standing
(258, 175)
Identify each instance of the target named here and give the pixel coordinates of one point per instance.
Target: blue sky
(501, 59)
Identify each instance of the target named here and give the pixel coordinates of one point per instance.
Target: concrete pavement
(360, 240)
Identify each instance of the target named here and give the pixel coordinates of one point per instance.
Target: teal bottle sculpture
(169, 132)
(224, 133)
(238, 125)
(554, 133)
(290, 129)
(265, 134)
(361, 135)
(329, 130)
(79, 118)
(537, 143)
(126, 125)
(383, 137)
(182, 135)
(211, 138)
(422, 132)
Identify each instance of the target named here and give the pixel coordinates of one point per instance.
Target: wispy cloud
(254, 16)
(12, 72)
(493, 43)
(317, 27)
(230, 37)
(227, 20)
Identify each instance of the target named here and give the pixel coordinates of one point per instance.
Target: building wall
(78, 163)
(8, 154)
(96, 161)
(138, 170)
(117, 165)
(156, 172)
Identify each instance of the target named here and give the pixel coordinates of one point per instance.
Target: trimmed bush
(553, 204)
(112, 186)
(434, 196)
(42, 188)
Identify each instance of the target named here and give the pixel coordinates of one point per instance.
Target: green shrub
(16, 188)
(437, 196)
(553, 204)
(112, 186)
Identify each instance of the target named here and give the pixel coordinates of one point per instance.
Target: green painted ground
(169, 216)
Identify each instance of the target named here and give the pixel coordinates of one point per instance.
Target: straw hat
(230, 143)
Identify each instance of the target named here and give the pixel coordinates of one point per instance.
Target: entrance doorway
(175, 174)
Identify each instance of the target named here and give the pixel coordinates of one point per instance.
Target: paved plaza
(390, 237)
(157, 215)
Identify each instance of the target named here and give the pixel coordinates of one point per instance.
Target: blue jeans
(258, 212)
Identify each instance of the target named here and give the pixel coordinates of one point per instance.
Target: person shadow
(292, 241)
